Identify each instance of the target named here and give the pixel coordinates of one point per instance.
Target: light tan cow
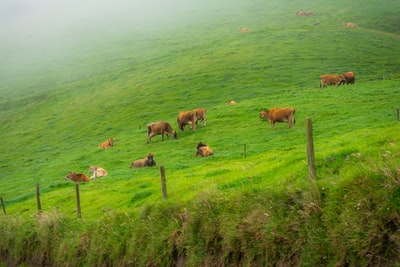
(201, 115)
(97, 172)
(279, 115)
(187, 118)
(350, 25)
(243, 30)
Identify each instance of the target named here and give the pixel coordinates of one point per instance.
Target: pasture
(56, 110)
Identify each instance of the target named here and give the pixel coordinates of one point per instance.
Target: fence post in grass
(39, 205)
(244, 148)
(163, 183)
(78, 201)
(310, 149)
(397, 114)
(2, 204)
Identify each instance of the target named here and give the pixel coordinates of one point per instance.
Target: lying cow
(161, 127)
(243, 30)
(148, 161)
(97, 172)
(331, 79)
(203, 150)
(187, 118)
(349, 77)
(350, 25)
(304, 13)
(77, 177)
(279, 115)
(107, 144)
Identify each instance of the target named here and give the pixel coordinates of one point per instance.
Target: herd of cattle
(192, 117)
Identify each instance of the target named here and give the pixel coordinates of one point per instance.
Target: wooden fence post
(39, 205)
(397, 114)
(78, 201)
(2, 204)
(244, 148)
(163, 183)
(310, 149)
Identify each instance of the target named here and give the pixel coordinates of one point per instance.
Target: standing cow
(77, 177)
(349, 77)
(279, 115)
(201, 115)
(187, 118)
(161, 127)
(148, 161)
(334, 79)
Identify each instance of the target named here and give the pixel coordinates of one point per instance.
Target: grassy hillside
(56, 109)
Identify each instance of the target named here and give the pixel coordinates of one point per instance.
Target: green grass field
(56, 109)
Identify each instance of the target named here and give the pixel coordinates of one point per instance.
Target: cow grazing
(97, 172)
(187, 118)
(349, 76)
(203, 150)
(201, 115)
(148, 161)
(77, 177)
(331, 79)
(107, 144)
(279, 115)
(161, 127)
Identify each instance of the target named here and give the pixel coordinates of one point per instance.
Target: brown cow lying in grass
(304, 13)
(203, 150)
(279, 115)
(148, 161)
(331, 79)
(107, 144)
(77, 177)
(97, 172)
(161, 127)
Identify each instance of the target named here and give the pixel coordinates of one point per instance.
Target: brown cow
(187, 118)
(279, 115)
(148, 161)
(349, 76)
(77, 177)
(97, 172)
(230, 102)
(161, 127)
(203, 150)
(201, 115)
(334, 79)
(107, 144)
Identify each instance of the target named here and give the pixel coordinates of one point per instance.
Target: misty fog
(35, 30)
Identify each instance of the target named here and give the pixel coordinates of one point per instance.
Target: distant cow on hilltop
(331, 79)
(279, 115)
(97, 172)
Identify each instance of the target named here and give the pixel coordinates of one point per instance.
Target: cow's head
(174, 134)
(264, 114)
(200, 144)
(69, 176)
(111, 142)
(150, 160)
